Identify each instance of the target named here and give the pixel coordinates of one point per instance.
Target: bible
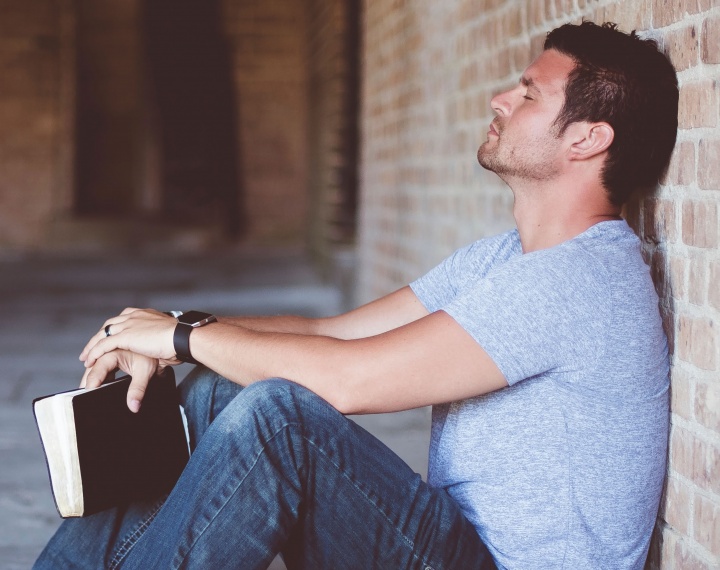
(100, 455)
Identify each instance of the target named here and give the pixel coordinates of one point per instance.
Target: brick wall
(269, 41)
(430, 69)
(39, 96)
(332, 120)
(36, 119)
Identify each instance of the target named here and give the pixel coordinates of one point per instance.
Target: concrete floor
(50, 307)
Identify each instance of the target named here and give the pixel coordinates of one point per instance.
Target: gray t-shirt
(564, 468)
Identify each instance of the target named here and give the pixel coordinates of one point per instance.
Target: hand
(142, 331)
(140, 367)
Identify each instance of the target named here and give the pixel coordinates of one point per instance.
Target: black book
(100, 455)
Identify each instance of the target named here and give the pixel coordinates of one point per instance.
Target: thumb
(136, 392)
(141, 369)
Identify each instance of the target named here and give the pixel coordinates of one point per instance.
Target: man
(541, 350)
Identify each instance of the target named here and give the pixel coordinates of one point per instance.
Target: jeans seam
(407, 540)
(377, 508)
(131, 539)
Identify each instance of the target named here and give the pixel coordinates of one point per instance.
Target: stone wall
(430, 69)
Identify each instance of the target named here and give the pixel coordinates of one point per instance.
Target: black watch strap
(181, 337)
(181, 343)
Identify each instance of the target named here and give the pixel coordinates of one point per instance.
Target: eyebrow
(529, 83)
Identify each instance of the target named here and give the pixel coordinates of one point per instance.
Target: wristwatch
(186, 322)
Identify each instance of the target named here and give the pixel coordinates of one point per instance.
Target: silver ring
(107, 330)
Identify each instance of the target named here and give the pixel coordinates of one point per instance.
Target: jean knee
(283, 401)
(280, 392)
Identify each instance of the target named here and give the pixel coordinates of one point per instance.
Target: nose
(501, 104)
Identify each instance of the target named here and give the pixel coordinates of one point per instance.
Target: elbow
(343, 400)
(346, 396)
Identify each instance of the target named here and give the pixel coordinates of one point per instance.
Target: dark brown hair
(625, 81)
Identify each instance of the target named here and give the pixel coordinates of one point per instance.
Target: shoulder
(482, 255)
(596, 256)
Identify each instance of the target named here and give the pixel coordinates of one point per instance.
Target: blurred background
(307, 156)
(178, 126)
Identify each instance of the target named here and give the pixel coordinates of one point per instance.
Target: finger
(83, 381)
(97, 374)
(141, 369)
(92, 342)
(137, 389)
(103, 346)
(129, 310)
(108, 328)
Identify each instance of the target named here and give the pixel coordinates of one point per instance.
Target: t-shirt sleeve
(441, 284)
(438, 286)
(532, 317)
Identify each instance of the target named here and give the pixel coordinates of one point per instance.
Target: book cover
(100, 455)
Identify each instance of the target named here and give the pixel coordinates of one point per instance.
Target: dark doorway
(191, 80)
(156, 120)
(109, 126)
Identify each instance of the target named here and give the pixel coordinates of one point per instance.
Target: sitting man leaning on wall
(541, 351)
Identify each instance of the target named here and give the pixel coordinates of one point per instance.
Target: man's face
(522, 141)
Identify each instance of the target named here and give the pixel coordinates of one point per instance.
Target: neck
(548, 215)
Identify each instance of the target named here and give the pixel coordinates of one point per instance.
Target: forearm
(430, 361)
(246, 355)
(389, 312)
(290, 324)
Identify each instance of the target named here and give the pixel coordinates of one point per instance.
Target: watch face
(196, 318)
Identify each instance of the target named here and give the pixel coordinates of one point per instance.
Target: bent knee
(279, 390)
(278, 398)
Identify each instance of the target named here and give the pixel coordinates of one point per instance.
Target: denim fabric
(276, 469)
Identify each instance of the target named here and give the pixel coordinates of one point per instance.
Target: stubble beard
(531, 160)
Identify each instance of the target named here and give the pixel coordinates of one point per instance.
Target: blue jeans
(276, 469)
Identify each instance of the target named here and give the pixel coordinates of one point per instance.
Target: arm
(391, 311)
(384, 314)
(429, 360)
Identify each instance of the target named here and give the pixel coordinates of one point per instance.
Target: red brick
(660, 221)
(697, 280)
(682, 165)
(665, 12)
(697, 341)
(659, 272)
(707, 405)
(714, 287)
(678, 280)
(686, 558)
(709, 164)
(698, 105)
(710, 40)
(700, 223)
(707, 524)
(677, 510)
(682, 47)
(681, 452)
(681, 394)
(706, 465)
(667, 553)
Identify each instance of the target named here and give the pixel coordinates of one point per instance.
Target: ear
(590, 139)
